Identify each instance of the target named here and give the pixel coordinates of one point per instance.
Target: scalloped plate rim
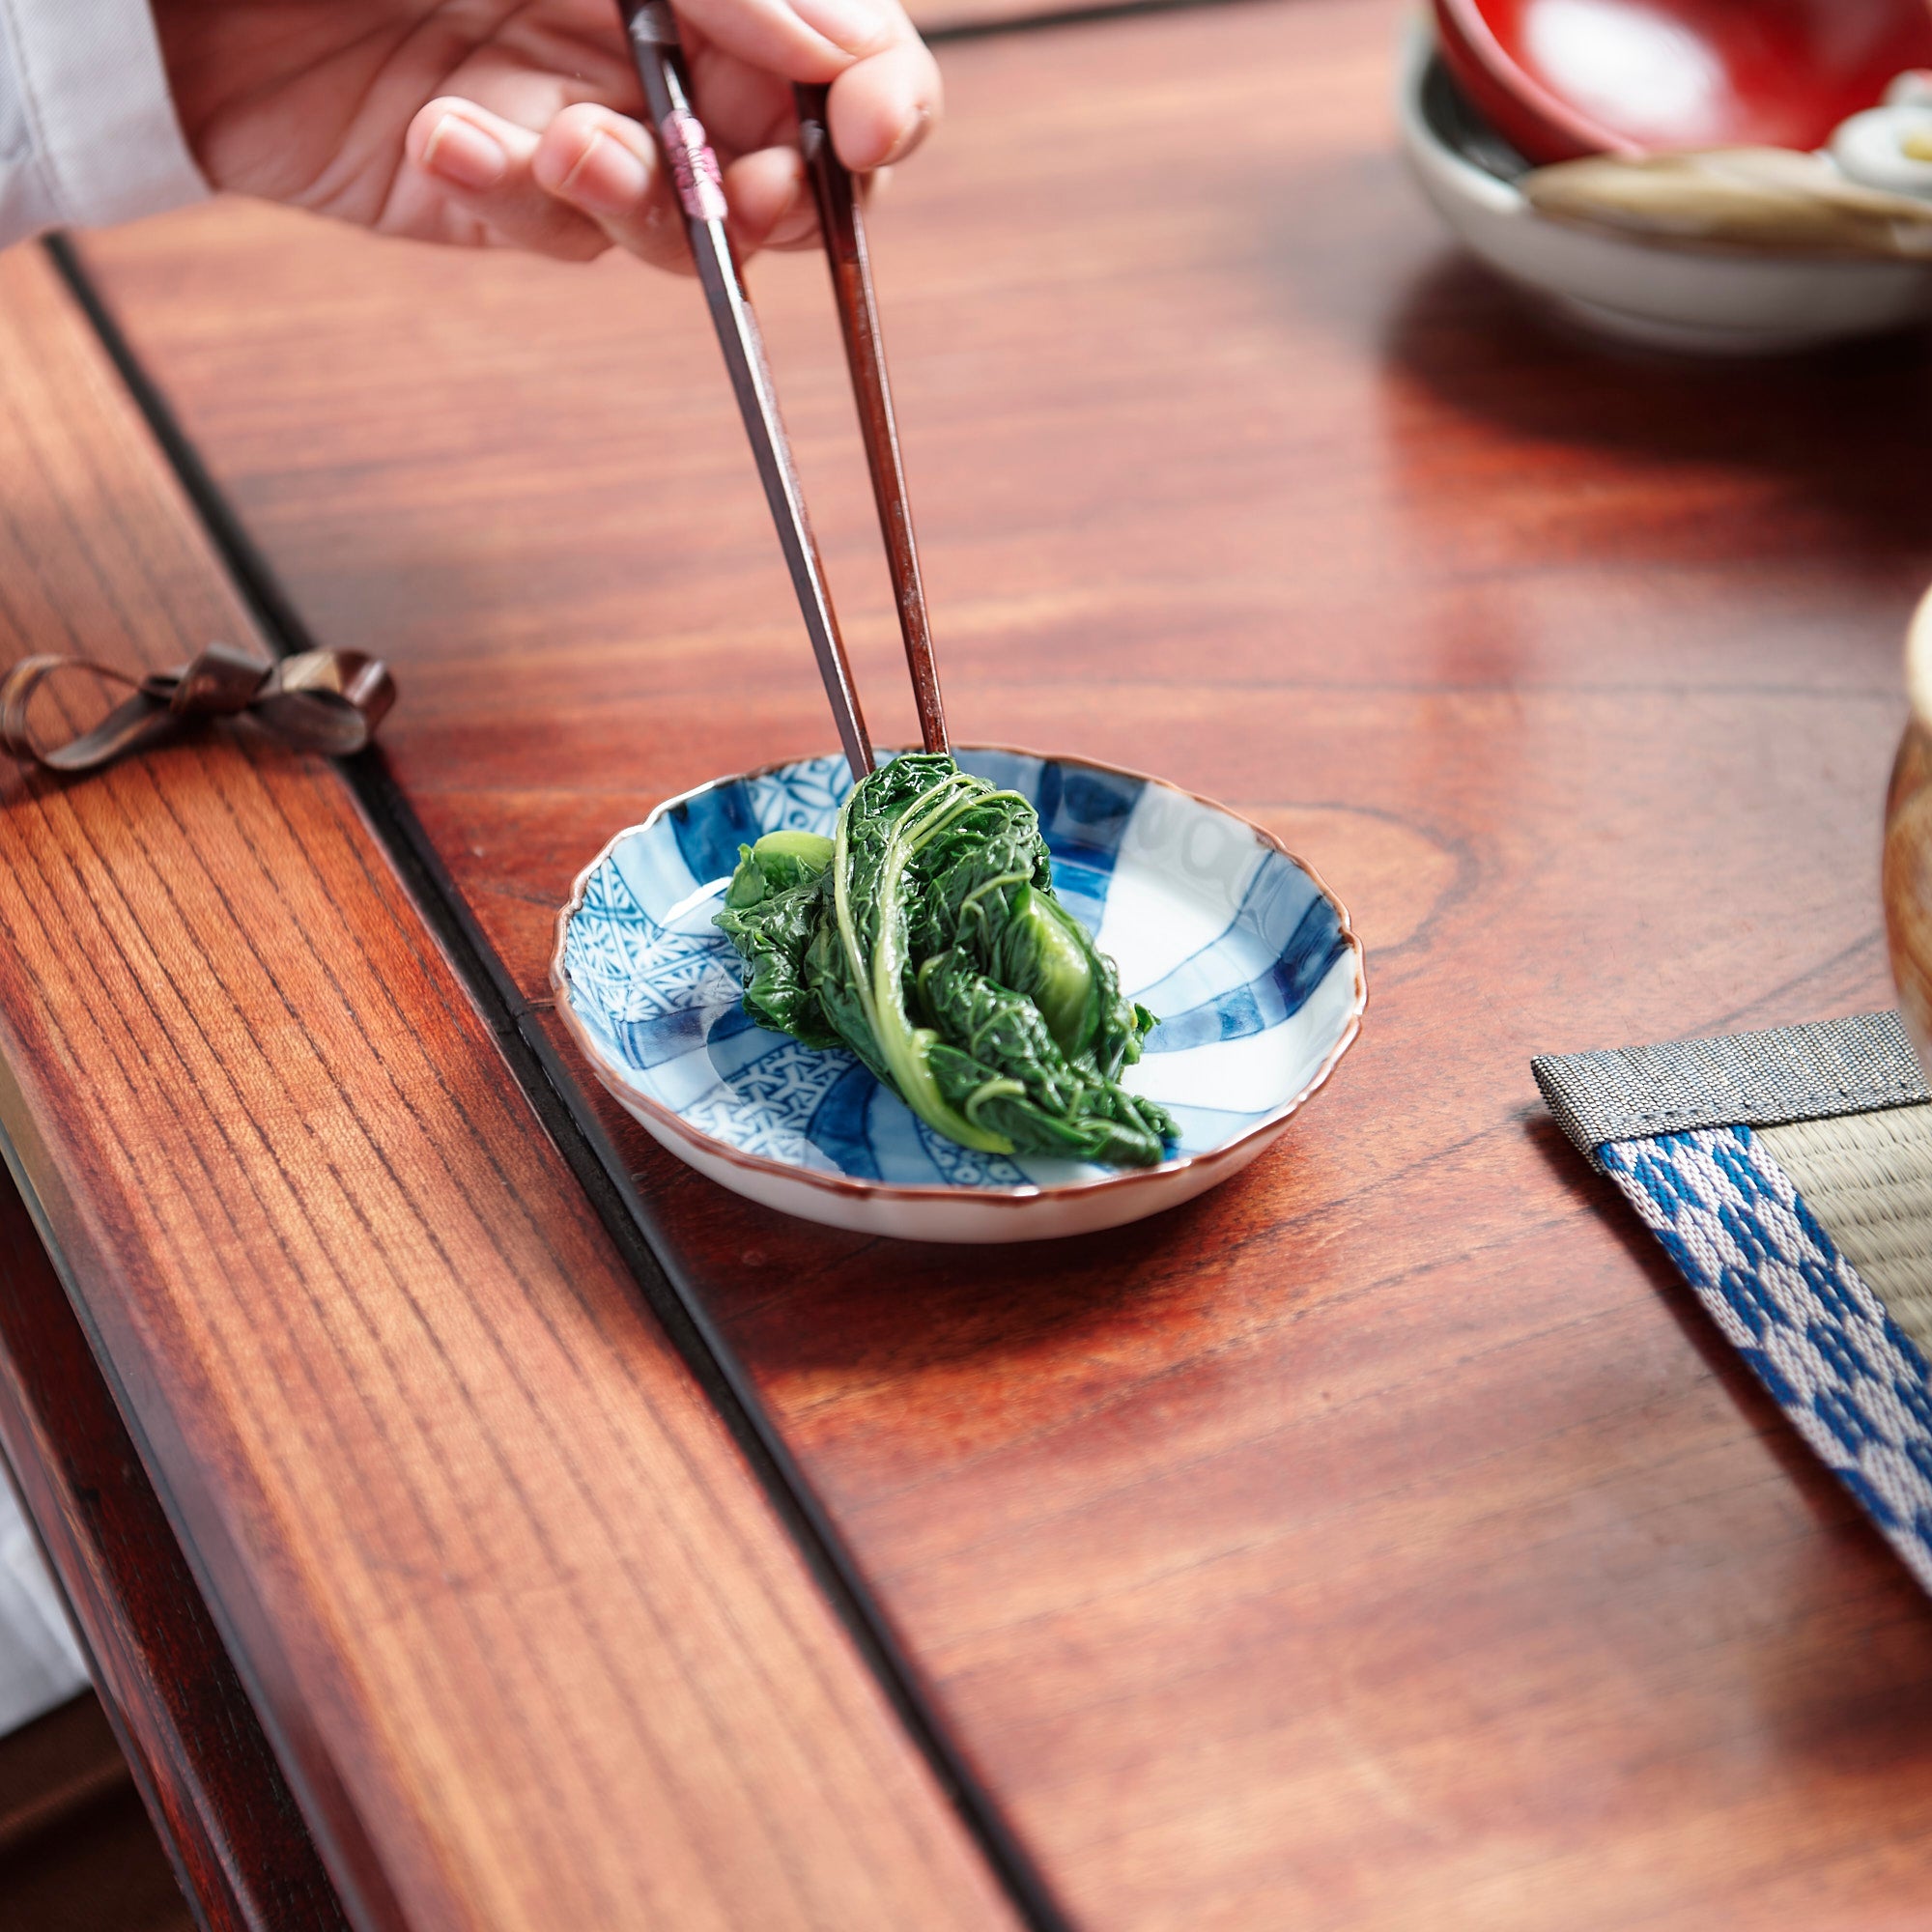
(654, 1115)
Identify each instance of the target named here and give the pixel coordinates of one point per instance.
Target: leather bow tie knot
(326, 701)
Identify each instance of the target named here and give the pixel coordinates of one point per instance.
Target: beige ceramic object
(1908, 846)
(1754, 200)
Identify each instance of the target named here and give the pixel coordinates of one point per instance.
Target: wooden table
(1382, 1540)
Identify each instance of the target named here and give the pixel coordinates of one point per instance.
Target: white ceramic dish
(1713, 302)
(1245, 954)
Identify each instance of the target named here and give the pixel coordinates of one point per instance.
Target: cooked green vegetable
(926, 936)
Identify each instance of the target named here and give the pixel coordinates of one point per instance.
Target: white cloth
(39, 1661)
(88, 134)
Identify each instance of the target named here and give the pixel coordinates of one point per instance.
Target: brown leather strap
(328, 702)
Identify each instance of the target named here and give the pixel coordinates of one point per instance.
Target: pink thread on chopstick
(693, 167)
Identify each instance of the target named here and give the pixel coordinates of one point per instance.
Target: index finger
(881, 107)
(800, 39)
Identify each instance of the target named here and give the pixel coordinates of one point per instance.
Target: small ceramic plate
(1243, 952)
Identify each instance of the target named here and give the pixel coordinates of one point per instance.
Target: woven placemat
(1789, 1176)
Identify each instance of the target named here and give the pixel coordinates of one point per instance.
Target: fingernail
(460, 151)
(909, 138)
(608, 178)
(850, 24)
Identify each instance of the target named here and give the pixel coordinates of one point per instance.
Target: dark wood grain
(1382, 1540)
(531, 1642)
(199, 1758)
(78, 1853)
(56, 1765)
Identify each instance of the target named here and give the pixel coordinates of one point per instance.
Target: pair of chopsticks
(655, 47)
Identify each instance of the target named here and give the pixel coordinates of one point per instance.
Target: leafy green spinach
(926, 936)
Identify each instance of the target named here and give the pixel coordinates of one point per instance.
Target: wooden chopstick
(652, 31)
(841, 223)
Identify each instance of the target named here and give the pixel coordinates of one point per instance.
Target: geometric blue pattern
(1232, 941)
(1303, 958)
(1853, 1383)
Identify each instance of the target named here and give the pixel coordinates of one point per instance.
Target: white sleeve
(88, 134)
(40, 1662)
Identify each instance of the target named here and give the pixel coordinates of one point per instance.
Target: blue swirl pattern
(1249, 964)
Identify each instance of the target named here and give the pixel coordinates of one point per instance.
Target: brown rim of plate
(1005, 1197)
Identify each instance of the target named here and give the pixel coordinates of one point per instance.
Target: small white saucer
(1246, 956)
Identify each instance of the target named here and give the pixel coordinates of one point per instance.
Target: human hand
(490, 122)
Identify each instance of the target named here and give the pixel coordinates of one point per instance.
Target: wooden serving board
(533, 1647)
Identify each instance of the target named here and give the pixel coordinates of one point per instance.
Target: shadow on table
(803, 1297)
(1849, 423)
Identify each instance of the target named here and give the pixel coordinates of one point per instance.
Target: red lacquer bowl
(1561, 78)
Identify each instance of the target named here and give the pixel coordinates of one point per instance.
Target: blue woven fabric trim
(1854, 1385)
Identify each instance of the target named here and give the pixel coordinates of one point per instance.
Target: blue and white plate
(1243, 952)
